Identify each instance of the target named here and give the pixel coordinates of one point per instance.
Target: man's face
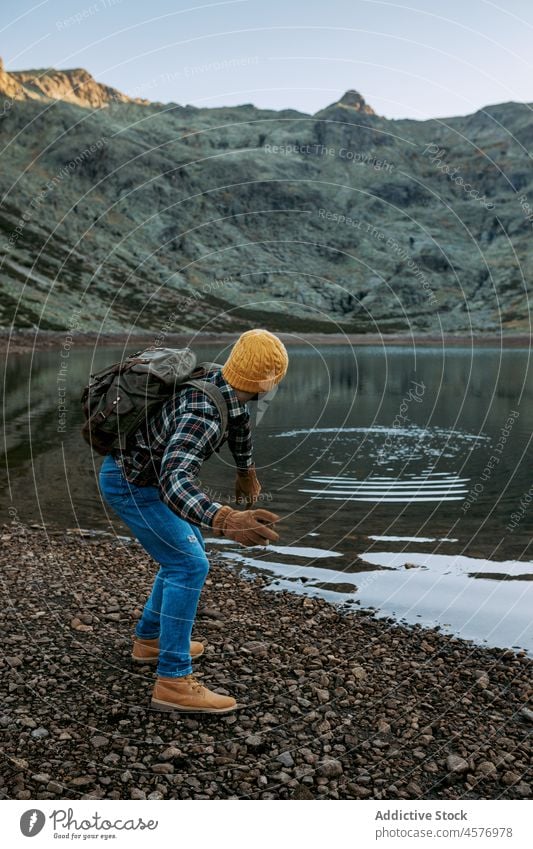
(259, 402)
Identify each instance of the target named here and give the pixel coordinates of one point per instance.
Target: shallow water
(374, 458)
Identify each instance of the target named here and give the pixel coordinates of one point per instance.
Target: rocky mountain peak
(351, 99)
(74, 85)
(351, 107)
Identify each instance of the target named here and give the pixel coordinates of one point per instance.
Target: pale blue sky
(418, 59)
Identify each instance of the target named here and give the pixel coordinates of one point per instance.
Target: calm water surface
(403, 478)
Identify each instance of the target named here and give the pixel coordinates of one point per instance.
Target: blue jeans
(179, 549)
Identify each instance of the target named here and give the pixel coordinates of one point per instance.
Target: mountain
(119, 213)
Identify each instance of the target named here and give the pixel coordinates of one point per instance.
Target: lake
(403, 477)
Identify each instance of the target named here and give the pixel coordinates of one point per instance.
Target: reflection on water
(428, 589)
(352, 459)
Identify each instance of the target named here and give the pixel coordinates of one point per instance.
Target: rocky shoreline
(26, 341)
(335, 705)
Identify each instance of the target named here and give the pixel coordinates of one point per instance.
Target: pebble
(322, 695)
(77, 625)
(171, 753)
(286, 759)
(486, 768)
(40, 733)
(81, 781)
(314, 723)
(456, 764)
(55, 787)
(330, 769)
(136, 793)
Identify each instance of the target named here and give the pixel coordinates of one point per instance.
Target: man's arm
(240, 442)
(247, 487)
(195, 435)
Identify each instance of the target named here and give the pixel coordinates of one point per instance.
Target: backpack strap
(215, 395)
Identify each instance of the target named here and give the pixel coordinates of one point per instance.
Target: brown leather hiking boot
(147, 651)
(188, 695)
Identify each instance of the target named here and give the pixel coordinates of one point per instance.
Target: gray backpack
(120, 398)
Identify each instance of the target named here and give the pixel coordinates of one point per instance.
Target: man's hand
(247, 487)
(249, 527)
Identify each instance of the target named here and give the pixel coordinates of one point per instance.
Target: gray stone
(40, 733)
(456, 764)
(330, 768)
(163, 768)
(359, 673)
(286, 759)
(486, 768)
(137, 794)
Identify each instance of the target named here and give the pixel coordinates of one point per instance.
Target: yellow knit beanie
(257, 362)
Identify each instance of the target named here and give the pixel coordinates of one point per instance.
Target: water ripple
(441, 487)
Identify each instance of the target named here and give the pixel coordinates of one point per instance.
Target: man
(165, 509)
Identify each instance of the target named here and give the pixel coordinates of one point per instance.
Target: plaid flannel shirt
(175, 442)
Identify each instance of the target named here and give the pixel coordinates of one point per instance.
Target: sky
(419, 59)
